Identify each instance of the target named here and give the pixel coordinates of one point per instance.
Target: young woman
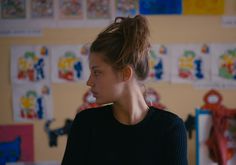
(124, 130)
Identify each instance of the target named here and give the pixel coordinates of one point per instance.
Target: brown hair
(125, 42)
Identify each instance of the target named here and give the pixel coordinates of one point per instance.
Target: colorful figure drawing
(69, 67)
(10, 151)
(190, 66)
(31, 106)
(13, 8)
(31, 66)
(217, 142)
(227, 68)
(126, 8)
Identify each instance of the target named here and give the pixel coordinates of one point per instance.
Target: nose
(90, 82)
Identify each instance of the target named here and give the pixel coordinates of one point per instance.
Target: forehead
(97, 60)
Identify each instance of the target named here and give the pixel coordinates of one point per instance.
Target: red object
(217, 142)
(88, 101)
(31, 74)
(152, 98)
(21, 75)
(67, 76)
(26, 133)
(184, 74)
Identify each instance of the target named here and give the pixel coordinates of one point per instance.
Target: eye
(96, 73)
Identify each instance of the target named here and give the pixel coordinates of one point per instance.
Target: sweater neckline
(139, 124)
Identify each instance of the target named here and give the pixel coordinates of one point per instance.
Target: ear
(127, 72)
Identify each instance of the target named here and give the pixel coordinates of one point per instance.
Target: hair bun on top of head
(125, 42)
(136, 34)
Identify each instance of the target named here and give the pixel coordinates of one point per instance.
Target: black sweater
(96, 137)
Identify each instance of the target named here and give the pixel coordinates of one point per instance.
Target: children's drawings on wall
(28, 14)
(202, 65)
(224, 63)
(16, 143)
(99, 9)
(13, 9)
(42, 9)
(29, 64)
(71, 9)
(32, 102)
(69, 63)
(190, 63)
(159, 63)
(126, 7)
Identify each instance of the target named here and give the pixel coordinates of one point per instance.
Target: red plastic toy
(217, 141)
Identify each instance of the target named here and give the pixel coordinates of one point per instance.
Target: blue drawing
(78, 68)
(39, 69)
(10, 151)
(234, 77)
(159, 70)
(40, 107)
(198, 68)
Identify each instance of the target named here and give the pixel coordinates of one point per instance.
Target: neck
(132, 108)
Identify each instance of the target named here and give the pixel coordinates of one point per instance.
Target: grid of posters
(34, 68)
(32, 97)
(74, 13)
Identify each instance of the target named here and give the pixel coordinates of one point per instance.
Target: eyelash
(96, 73)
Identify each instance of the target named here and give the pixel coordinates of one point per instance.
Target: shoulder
(165, 118)
(92, 114)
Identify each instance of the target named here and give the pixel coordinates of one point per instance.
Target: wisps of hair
(126, 42)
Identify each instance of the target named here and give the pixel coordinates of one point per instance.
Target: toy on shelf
(89, 101)
(218, 143)
(54, 133)
(152, 98)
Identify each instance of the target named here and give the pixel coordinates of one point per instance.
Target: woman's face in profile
(106, 84)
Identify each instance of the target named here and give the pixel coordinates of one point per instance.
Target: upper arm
(176, 144)
(77, 142)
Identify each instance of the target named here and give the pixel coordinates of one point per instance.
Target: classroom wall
(181, 99)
